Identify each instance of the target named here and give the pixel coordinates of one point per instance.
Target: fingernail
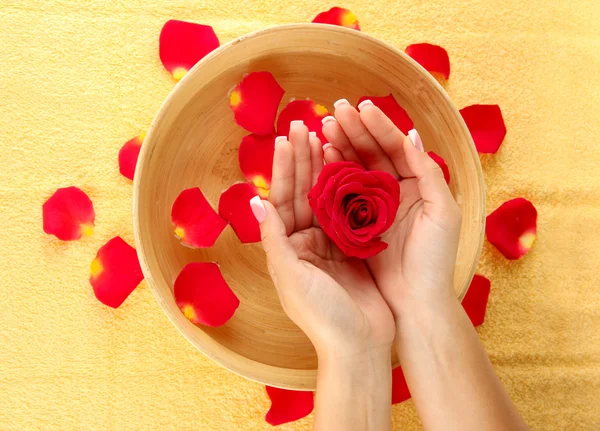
(327, 145)
(340, 103)
(416, 139)
(312, 134)
(296, 123)
(328, 118)
(258, 209)
(364, 103)
(280, 140)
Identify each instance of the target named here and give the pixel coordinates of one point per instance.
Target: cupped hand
(331, 297)
(418, 265)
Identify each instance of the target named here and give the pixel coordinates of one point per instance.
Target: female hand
(331, 297)
(418, 265)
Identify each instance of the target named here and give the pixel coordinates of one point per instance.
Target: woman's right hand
(418, 265)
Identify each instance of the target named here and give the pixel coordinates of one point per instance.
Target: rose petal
(512, 227)
(309, 112)
(203, 296)
(115, 272)
(400, 392)
(486, 125)
(254, 102)
(392, 110)
(68, 214)
(255, 156)
(128, 155)
(442, 164)
(433, 58)
(196, 222)
(338, 16)
(476, 299)
(182, 44)
(234, 206)
(288, 406)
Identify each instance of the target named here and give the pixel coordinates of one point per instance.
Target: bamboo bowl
(193, 141)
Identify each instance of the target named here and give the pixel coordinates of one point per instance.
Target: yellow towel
(79, 78)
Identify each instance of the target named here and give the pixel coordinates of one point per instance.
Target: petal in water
(234, 206)
(309, 112)
(392, 109)
(255, 157)
(68, 214)
(442, 164)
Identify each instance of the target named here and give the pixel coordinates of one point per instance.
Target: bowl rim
(285, 378)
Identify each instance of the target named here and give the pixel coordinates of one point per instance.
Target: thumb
(281, 255)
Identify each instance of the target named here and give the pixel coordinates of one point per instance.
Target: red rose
(355, 207)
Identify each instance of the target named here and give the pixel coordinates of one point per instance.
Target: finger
(434, 191)
(331, 154)
(281, 255)
(389, 137)
(365, 145)
(281, 194)
(336, 136)
(316, 156)
(316, 159)
(303, 182)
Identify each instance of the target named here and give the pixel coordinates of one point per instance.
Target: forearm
(354, 393)
(451, 379)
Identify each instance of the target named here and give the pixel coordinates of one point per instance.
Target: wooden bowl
(193, 141)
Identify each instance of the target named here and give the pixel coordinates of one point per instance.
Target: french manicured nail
(416, 139)
(296, 123)
(340, 103)
(280, 140)
(258, 209)
(327, 145)
(312, 134)
(327, 119)
(364, 103)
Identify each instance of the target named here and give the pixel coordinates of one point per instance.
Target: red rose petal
(476, 299)
(254, 102)
(234, 206)
(203, 296)
(306, 110)
(512, 228)
(433, 58)
(256, 161)
(115, 272)
(338, 16)
(129, 154)
(486, 125)
(68, 214)
(196, 222)
(288, 406)
(182, 44)
(442, 164)
(400, 392)
(392, 110)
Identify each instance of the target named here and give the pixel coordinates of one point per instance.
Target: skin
(355, 311)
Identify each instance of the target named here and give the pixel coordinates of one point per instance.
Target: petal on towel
(115, 272)
(234, 206)
(486, 125)
(128, 155)
(392, 109)
(309, 112)
(254, 102)
(68, 214)
(433, 58)
(182, 44)
(400, 392)
(338, 16)
(195, 222)
(203, 295)
(255, 157)
(442, 164)
(476, 299)
(288, 406)
(512, 228)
